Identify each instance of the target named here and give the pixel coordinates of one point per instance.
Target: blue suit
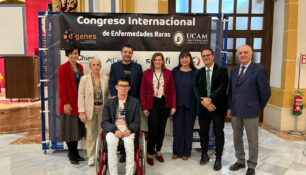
(252, 94)
(117, 72)
(244, 100)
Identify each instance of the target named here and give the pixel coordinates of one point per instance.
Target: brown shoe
(185, 157)
(174, 156)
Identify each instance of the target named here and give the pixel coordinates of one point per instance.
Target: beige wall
(288, 42)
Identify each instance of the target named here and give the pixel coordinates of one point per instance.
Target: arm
(222, 88)
(107, 124)
(140, 81)
(112, 81)
(62, 86)
(143, 92)
(173, 90)
(229, 97)
(196, 86)
(264, 88)
(81, 95)
(135, 124)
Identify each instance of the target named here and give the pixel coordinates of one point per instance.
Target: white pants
(112, 146)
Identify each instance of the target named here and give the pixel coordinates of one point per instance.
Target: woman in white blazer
(93, 93)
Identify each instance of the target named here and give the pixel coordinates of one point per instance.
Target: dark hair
(152, 68)
(124, 79)
(212, 52)
(70, 49)
(128, 46)
(185, 53)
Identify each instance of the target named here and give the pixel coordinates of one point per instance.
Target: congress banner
(145, 32)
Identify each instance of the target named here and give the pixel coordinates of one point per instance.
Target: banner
(145, 32)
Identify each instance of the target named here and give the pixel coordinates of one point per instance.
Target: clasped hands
(120, 134)
(206, 102)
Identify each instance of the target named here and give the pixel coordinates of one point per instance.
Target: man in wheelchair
(121, 120)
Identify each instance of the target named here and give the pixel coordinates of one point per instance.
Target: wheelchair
(140, 153)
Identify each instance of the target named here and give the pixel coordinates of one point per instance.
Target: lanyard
(158, 79)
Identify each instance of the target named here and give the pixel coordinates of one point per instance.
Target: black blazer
(219, 83)
(117, 72)
(132, 117)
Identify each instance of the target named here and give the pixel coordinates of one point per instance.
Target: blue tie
(240, 75)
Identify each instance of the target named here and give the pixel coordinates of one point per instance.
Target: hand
(146, 113)
(228, 113)
(119, 134)
(205, 101)
(67, 109)
(126, 133)
(172, 111)
(83, 117)
(113, 96)
(211, 107)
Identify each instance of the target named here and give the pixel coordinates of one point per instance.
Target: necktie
(240, 75)
(208, 83)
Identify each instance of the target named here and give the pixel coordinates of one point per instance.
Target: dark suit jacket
(132, 117)
(219, 83)
(67, 89)
(252, 94)
(147, 91)
(117, 72)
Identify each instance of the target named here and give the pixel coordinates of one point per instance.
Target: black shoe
(250, 171)
(122, 158)
(236, 166)
(80, 158)
(217, 165)
(73, 159)
(204, 159)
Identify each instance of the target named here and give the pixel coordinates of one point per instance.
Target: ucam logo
(197, 35)
(178, 38)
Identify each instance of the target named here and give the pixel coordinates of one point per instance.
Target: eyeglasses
(206, 55)
(123, 86)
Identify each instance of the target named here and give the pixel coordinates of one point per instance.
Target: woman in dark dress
(71, 129)
(183, 119)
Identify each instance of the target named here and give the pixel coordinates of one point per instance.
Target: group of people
(116, 103)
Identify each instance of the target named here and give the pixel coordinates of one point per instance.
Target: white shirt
(246, 67)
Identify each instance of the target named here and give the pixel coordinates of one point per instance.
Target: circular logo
(178, 38)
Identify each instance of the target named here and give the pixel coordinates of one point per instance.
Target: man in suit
(249, 91)
(210, 88)
(129, 70)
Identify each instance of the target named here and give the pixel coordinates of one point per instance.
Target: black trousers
(73, 149)
(157, 121)
(218, 123)
(183, 124)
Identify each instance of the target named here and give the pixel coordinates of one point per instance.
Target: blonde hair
(95, 59)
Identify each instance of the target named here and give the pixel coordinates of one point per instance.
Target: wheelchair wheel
(143, 151)
(100, 157)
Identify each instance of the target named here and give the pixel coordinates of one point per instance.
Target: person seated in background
(121, 120)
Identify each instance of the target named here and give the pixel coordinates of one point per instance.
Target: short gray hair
(250, 48)
(94, 59)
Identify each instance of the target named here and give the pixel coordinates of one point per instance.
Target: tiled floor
(276, 156)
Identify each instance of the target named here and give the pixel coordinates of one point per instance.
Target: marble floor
(276, 157)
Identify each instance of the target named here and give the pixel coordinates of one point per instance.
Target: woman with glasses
(158, 102)
(183, 120)
(93, 93)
